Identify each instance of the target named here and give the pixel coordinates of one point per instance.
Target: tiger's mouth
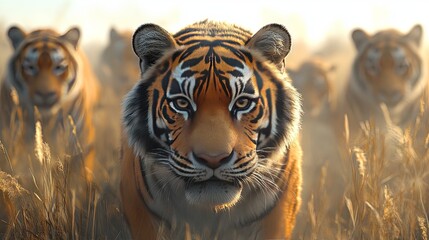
(45, 105)
(213, 193)
(391, 99)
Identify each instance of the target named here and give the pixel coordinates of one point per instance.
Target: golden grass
(379, 198)
(50, 197)
(382, 197)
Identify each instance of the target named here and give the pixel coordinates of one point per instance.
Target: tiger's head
(387, 64)
(121, 64)
(213, 114)
(313, 79)
(44, 66)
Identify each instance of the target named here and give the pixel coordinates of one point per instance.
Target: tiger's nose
(213, 160)
(47, 97)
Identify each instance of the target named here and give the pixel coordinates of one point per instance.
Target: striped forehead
(35, 50)
(395, 51)
(185, 80)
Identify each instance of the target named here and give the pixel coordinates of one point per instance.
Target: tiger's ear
(273, 41)
(415, 34)
(114, 34)
(16, 36)
(72, 36)
(150, 42)
(359, 37)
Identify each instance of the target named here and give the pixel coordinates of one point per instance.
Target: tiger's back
(210, 145)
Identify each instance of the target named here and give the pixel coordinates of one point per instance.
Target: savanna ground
(355, 193)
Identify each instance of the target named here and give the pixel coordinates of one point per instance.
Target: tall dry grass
(52, 201)
(383, 197)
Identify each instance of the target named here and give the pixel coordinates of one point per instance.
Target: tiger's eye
(182, 103)
(242, 103)
(60, 69)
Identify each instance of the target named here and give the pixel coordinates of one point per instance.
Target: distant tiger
(314, 80)
(118, 65)
(387, 74)
(49, 79)
(210, 149)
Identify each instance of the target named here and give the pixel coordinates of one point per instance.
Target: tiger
(387, 81)
(314, 80)
(118, 65)
(209, 146)
(49, 80)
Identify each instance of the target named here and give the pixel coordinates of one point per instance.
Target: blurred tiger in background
(118, 65)
(210, 149)
(315, 78)
(49, 79)
(118, 70)
(387, 82)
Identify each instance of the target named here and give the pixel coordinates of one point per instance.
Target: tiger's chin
(214, 194)
(46, 111)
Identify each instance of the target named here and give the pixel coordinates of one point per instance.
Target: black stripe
(157, 131)
(267, 131)
(188, 73)
(165, 81)
(248, 88)
(236, 73)
(166, 116)
(174, 87)
(251, 139)
(259, 80)
(247, 54)
(177, 154)
(191, 62)
(235, 51)
(233, 62)
(259, 116)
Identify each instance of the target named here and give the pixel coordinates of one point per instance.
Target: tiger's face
(214, 110)
(314, 81)
(44, 66)
(213, 124)
(119, 57)
(387, 63)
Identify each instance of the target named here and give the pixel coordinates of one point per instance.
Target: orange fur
(278, 224)
(210, 146)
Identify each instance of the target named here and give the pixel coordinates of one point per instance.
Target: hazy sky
(306, 20)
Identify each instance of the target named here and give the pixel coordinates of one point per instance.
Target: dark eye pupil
(182, 103)
(61, 67)
(241, 103)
